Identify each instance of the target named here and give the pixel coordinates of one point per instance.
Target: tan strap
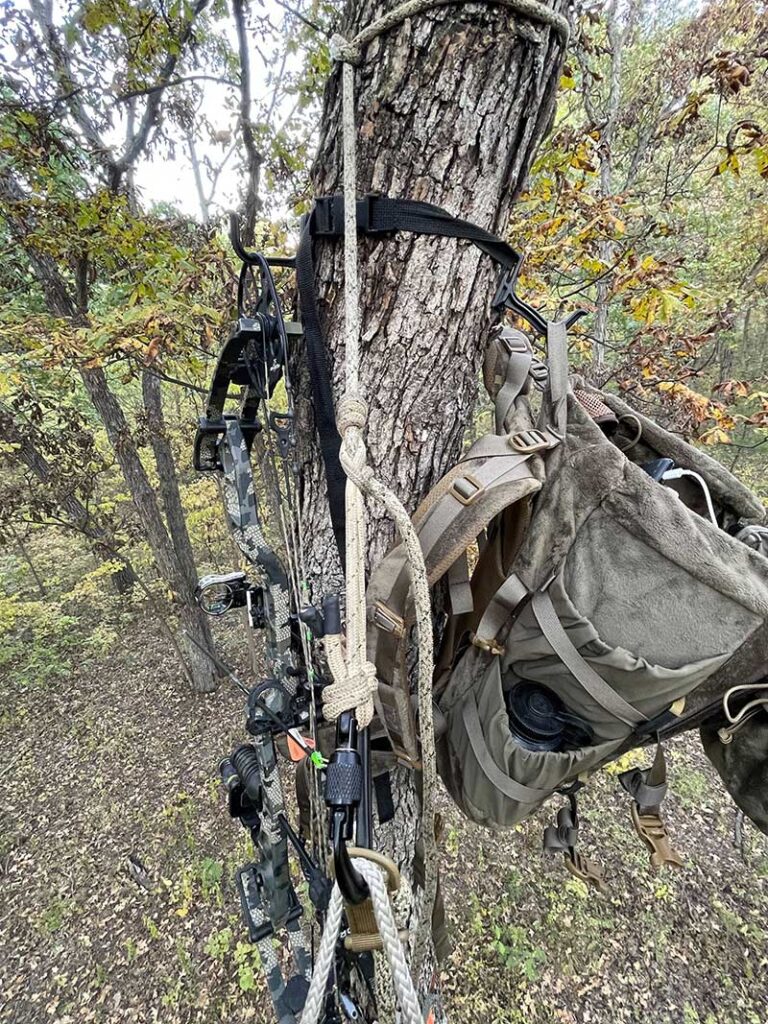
(465, 491)
(580, 669)
(518, 368)
(500, 609)
(557, 359)
(459, 589)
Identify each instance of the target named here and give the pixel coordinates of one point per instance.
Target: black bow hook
(344, 786)
(252, 259)
(347, 785)
(506, 297)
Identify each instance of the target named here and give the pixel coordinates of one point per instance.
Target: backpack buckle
(492, 646)
(528, 442)
(387, 620)
(539, 373)
(653, 832)
(465, 489)
(514, 340)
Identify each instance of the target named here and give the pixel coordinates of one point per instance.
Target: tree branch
(138, 141)
(253, 158)
(150, 89)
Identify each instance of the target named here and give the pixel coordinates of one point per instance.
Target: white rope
(405, 992)
(315, 1000)
(354, 677)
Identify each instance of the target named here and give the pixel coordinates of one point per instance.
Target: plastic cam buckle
(653, 832)
(539, 374)
(589, 871)
(527, 442)
(328, 217)
(465, 489)
(365, 218)
(387, 620)
(514, 341)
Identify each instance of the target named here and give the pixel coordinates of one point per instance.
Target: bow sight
(218, 593)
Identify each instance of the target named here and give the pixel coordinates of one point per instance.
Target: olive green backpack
(611, 592)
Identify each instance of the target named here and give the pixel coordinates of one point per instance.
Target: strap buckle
(528, 442)
(652, 830)
(514, 340)
(539, 373)
(328, 216)
(466, 489)
(365, 215)
(589, 871)
(492, 646)
(562, 838)
(387, 620)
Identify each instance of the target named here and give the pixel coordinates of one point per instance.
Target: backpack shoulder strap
(495, 474)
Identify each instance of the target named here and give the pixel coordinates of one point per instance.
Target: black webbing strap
(380, 215)
(376, 215)
(320, 384)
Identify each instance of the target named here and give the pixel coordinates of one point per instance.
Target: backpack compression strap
(376, 215)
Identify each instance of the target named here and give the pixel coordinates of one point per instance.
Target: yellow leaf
(715, 436)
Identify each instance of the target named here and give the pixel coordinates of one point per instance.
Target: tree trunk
(196, 638)
(607, 248)
(450, 109)
(170, 494)
(30, 562)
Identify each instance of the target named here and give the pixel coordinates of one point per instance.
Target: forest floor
(119, 761)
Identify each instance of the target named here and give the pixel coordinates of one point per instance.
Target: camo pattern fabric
(243, 512)
(276, 898)
(273, 899)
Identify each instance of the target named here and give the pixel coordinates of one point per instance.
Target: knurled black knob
(344, 779)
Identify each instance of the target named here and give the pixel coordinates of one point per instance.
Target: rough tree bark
(253, 157)
(170, 493)
(451, 107)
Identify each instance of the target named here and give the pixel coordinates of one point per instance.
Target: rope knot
(343, 51)
(355, 689)
(352, 412)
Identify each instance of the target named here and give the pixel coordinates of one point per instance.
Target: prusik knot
(352, 412)
(343, 51)
(354, 690)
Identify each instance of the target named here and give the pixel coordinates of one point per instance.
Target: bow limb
(243, 513)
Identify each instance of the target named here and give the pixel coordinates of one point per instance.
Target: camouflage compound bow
(255, 359)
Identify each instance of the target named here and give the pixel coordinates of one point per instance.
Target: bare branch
(253, 158)
(150, 89)
(302, 17)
